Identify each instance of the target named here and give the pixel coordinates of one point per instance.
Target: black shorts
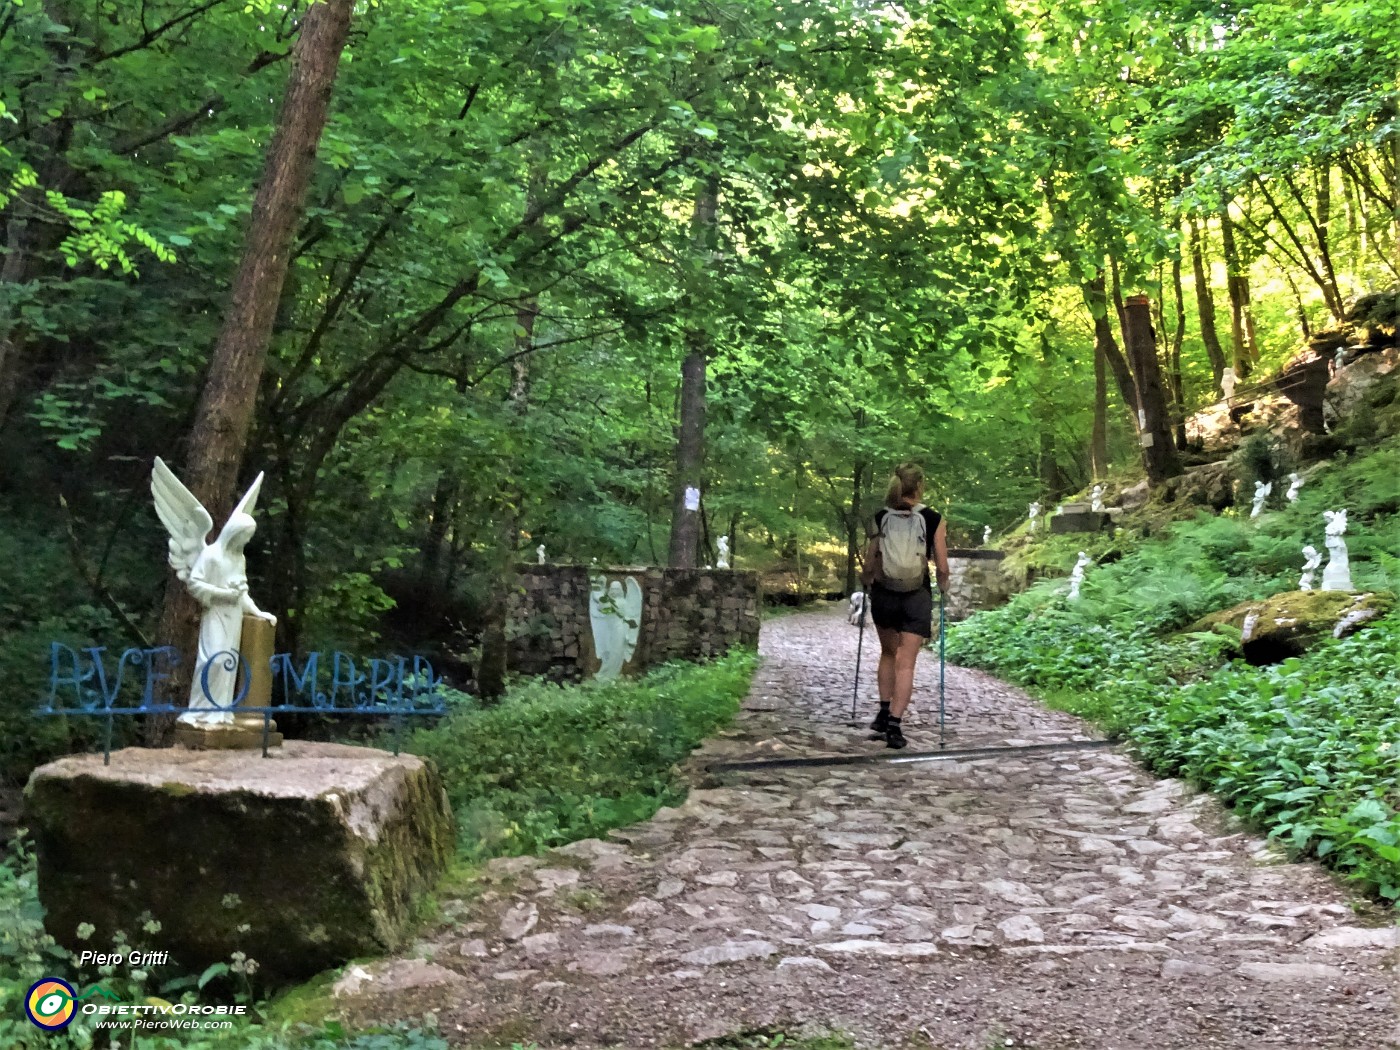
(910, 611)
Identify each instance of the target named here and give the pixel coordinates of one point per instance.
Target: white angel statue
(1076, 578)
(216, 575)
(986, 535)
(1312, 559)
(723, 552)
(1034, 512)
(1261, 494)
(1295, 485)
(1096, 500)
(615, 613)
(539, 553)
(1337, 574)
(1228, 383)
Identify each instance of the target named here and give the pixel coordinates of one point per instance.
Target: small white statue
(724, 552)
(1261, 494)
(1096, 500)
(1227, 383)
(1313, 558)
(1034, 513)
(1295, 483)
(1337, 575)
(539, 552)
(986, 535)
(615, 614)
(856, 609)
(1077, 576)
(217, 576)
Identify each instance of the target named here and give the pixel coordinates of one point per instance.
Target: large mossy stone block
(1292, 622)
(301, 861)
(1079, 521)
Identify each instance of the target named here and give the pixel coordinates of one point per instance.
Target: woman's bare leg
(903, 658)
(885, 673)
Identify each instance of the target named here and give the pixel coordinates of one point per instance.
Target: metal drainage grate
(888, 759)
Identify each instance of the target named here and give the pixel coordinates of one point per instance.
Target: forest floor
(1067, 901)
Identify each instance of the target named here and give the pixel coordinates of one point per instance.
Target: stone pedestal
(244, 732)
(301, 861)
(1080, 521)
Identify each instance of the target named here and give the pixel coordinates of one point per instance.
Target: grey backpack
(903, 549)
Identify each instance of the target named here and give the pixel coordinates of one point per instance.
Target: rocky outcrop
(1212, 485)
(300, 861)
(1291, 623)
(1361, 384)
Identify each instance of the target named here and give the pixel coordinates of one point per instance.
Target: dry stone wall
(976, 582)
(687, 614)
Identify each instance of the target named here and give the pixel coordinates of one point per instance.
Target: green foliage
(551, 764)
(1262, 457)
(1303, 749)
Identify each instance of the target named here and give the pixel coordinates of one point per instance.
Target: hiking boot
(894, 737)
(881, 723)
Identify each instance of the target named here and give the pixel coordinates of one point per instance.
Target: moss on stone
(1292, 622)
(298, 882)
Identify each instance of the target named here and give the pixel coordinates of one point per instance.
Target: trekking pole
(860, 640)
(942, 632)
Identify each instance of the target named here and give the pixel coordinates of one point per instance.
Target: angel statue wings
(216, 575)
(615, 612)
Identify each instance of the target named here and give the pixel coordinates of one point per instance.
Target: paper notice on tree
(692, 498)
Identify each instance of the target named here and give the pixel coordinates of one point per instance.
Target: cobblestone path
(1068, 901)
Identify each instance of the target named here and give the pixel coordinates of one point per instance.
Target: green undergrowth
(552, 764)
(1306, 749)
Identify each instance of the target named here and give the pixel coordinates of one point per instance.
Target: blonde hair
(904, 483)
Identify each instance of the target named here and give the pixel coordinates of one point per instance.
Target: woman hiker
(907, 536)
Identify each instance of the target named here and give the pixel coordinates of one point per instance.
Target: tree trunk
(1096, 299)
(1098, 441)
(1154, 424)
(853, 526)
(1241, 318)
(1052, 479)
(1174, 358)
(690, 457)
(1205, 304)
(491, 675)
(690, 439)
(220, 432)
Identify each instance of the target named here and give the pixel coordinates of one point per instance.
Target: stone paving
(1067, 901)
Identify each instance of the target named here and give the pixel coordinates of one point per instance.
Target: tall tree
(225, 410)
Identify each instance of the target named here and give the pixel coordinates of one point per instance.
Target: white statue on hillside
(1295, 484)
(1337, 575)
(1227, 383)
(986, 535)
(724, 552)
(1077, 576)
(1312, 559)
(1261, 494)
(539, 553)
(217, 576)
(1096, 500)
(615, 613)
(1034, 513)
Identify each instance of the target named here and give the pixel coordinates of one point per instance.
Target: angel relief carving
(217, 576)
(615, 613)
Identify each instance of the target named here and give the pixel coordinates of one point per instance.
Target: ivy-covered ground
(1305, 748)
